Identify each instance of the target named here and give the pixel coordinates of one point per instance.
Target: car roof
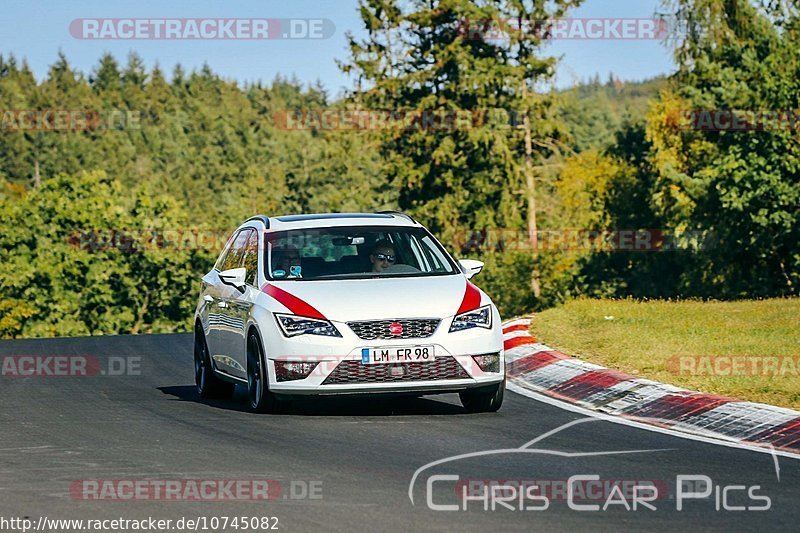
(326, 220)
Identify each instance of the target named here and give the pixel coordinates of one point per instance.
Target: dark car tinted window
(352, 252)
(250, 260)
(236, 253)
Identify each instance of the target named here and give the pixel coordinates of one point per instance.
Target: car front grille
(415, 328)
(349, 372)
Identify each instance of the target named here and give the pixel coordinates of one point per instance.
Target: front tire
(258, 393)
(483, 399)
(209, 386)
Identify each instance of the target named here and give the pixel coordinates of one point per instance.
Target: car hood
(371, 299)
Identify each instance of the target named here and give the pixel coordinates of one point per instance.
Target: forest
(118, 186)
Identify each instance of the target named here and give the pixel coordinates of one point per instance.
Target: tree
(106, 77)
(428, 60)
(81, 272)
(199, 145)
(739, 57)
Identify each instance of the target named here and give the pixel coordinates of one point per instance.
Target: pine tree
(425, 59)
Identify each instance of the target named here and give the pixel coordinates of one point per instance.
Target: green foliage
(593, 112)
(738, 189)
(743, 186)
(58, 281)
(160, 152)
(198, 152)
(505, 277)
(423, 58)
(209, 143)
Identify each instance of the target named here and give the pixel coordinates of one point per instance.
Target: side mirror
(234, 276)
(470, 267)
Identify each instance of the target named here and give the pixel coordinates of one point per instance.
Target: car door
(223, 328)
(239, 304)
(211, 292)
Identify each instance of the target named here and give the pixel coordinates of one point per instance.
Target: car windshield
(354, 252)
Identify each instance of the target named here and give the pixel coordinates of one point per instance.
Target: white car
(345, 304)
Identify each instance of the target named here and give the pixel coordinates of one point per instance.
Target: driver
(382, 256)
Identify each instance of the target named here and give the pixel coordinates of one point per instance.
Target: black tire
(483, 399)
(209, 386)
(258, 394)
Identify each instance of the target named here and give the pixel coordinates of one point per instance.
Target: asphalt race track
(357, 455)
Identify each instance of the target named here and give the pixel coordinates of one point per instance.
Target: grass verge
(746, 349)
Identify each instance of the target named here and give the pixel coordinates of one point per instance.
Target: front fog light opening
(489, 362)
(293, 370)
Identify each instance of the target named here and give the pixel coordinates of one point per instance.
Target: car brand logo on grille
(396, 328)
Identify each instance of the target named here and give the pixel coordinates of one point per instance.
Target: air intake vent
(414, 328)
(444, 367)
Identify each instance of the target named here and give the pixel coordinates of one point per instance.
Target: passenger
(286, 259)
(382, 256)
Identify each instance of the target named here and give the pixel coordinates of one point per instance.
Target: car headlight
(477, 318)
(293, 325)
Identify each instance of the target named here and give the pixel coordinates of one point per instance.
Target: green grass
(640, 338)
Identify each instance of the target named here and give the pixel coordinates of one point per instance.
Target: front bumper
(409, 389)
(452, 370)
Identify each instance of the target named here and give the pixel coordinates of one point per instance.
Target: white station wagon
(345, 304)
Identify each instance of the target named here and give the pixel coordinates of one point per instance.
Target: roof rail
(398, 213)
(260, 218)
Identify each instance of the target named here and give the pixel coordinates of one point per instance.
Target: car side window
(236, 252)
(434, 255)
(250, 260)
(225, 250)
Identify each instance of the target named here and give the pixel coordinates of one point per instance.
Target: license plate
(397, 354)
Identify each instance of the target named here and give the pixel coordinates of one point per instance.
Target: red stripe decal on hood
(292, 302)
(472, 299)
